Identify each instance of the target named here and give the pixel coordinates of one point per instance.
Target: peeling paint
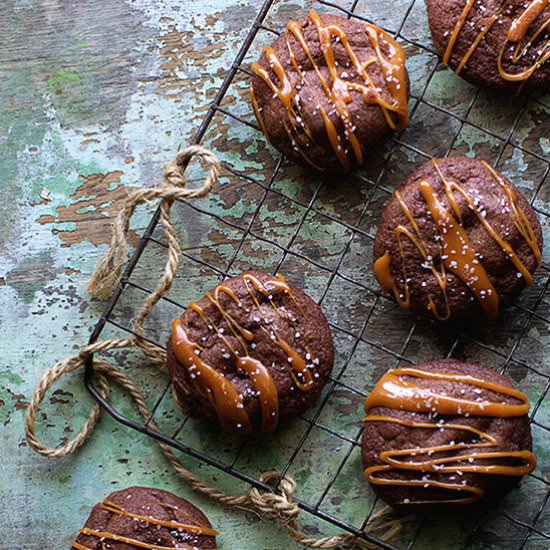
(90, 214)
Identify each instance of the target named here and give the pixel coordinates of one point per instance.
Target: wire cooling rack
(273, 215)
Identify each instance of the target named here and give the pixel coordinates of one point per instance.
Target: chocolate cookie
(502, 44)
(253, 351)
(329, 89)
(445, 432)
(456, 240)
(145, 518)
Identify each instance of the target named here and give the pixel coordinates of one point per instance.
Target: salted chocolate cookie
(445, 433)
(456, 240)
(252, 352)
(329, 89)
(145, 518)
(501, 44)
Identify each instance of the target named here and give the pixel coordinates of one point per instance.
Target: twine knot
(109, 269)
(273, 504)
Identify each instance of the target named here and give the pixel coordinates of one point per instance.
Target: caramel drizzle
(456, 31)
(422, 246)
(126, 540)
(395, 392)
(522, 225)
(337, 90)
(214, 386)
(459, 255)
(302, 374)
(521, 25)
(197, 529)
(455, 250)
(475, 43)
(516, 34)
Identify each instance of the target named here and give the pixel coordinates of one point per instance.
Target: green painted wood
(95, 97)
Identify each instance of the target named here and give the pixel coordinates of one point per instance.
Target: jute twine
(101, 285)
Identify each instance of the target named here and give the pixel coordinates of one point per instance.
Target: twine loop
(174, 171)
(104, 279)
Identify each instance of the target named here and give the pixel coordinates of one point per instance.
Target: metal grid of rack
(273, 215)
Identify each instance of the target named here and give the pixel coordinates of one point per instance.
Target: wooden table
(95, 97)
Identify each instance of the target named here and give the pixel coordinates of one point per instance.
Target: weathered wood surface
(95, 97)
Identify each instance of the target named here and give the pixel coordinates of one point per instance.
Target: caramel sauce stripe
(505, 246)
(298, 364)
(459, 255)
(475, 43)
(258, 113)
(299, 148)
(441, 465)
(520, 26)
(543, 57)
(196, 528)
(521, 222)
(210, 383)
(520, 51)
(395, 75)
(382, 266)
(456, 31)
(394, 392)
(517, 32)
(126, 540)
(424, 250)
